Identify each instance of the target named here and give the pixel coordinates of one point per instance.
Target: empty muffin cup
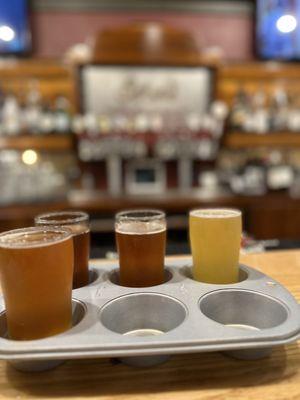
(143, 315)
(246, 310)
(243, 307)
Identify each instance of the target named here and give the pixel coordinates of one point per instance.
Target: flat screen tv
(278, 29)
(15, 35)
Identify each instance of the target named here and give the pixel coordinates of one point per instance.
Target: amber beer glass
(36, 270)
(215, 237)
(141, 242)
(78, 223)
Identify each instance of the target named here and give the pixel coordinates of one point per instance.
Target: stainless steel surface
(252, 354)
(114, 174)
(78, 313)
(185, 173)
(234, 308)
(150, 311)
(146, 361)
(192, 315)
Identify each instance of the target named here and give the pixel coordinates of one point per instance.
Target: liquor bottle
(77, 124)
(280, 174)
(11, 116)
(293, 117)
(46, 120)
(2, 98)
(62, 120)
(239, 111)
(32, 109)
(219, 111)
(279, 110)
(260, 112)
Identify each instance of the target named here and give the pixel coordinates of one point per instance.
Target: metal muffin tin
(142, 326)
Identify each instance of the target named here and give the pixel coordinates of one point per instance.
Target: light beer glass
(36, 271)
(78, 223)
(141, 242)
(215, 237)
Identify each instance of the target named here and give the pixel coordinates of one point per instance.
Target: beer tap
(114, 167)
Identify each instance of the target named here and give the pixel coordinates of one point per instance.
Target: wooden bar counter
(209, 376)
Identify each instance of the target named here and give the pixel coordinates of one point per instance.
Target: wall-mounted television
(15, 37)
(278, 29)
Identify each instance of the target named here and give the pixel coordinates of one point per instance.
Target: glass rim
(125, 215)
(66, 234)
(194, 211)
(72, 218)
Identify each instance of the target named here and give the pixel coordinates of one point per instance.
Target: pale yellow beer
(215, 237)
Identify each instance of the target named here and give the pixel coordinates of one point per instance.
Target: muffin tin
(143, 326)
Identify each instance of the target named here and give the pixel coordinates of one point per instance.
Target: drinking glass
(141, 242)
(78, 223)
(36, 271)
(215, 237)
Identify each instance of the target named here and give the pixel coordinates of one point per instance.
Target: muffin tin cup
(144, 326)
(256, 354)
(36, 366)
(143, 315)
(78, 313)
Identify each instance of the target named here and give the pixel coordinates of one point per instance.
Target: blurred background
(177, 104)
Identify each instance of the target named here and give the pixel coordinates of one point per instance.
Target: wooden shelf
(242, 140)
(52, 142)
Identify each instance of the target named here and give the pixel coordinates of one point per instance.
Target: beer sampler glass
(36, 272)
(215, 237)
(141, 242)
(78, 223)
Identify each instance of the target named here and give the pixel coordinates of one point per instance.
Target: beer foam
(77, 229)
(32, 238)
(215, 213)
(140, 227)
(62, 218)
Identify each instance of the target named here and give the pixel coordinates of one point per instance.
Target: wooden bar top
(203, 376)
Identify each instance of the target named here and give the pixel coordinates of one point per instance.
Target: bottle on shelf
(293, 118)
(240, 110)
(280, 175)
(62, 119)
(46, 121)
(32, 109)
(279, 110)
(11, 116)
(260, 112)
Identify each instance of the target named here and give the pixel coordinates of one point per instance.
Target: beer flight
(41, 265)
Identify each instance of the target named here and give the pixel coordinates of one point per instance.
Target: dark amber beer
(78, 223)
(141, 242)
(36, 270)
(81, 259)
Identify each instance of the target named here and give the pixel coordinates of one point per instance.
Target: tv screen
(14, 27)
(278, 29)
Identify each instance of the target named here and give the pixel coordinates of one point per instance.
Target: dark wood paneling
(266, 217)
(146, 43)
